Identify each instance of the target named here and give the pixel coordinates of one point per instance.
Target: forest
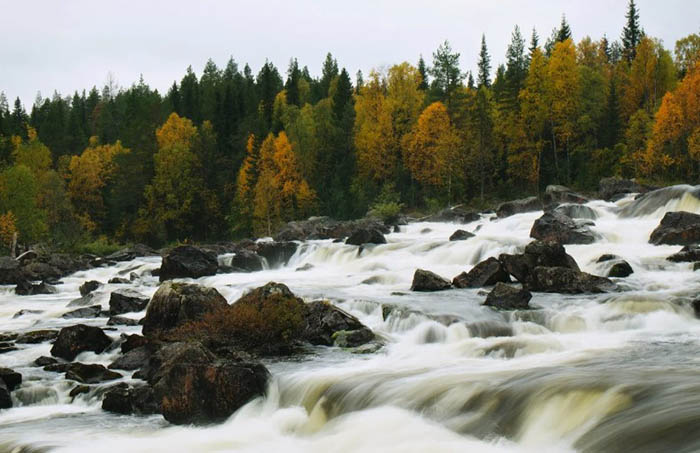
(231, 153)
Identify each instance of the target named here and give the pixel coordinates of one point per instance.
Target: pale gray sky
(74, 44)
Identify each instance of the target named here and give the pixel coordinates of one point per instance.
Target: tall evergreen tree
(564, 31)
(292, 84)
(516, 68)
(447, 76)
(422, 68)
(631, 33)
(329, 71)
(484, 77)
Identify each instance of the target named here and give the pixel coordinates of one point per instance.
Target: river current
(613, 372)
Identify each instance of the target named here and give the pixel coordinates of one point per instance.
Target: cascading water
(607, 372)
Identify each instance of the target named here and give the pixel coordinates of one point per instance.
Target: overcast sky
(74, 44)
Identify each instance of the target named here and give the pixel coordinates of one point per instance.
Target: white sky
(69, 45)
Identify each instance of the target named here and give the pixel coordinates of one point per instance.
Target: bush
(387, 206)
(100, 246)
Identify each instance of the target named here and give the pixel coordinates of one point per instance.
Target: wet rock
(126, 301)
(88, 287)
(131, 253)
(57, 367)
(37, 336)
(187, 261)
(25, 312)
(10, 272)
(11, 378)
(326, 228)
(133, 360)
(323, 320)
(6, 346)
(277, 254)
(510, 208)
(486, 273)
(27, 288)
(424, 280)
(126, 400)
(134, 341)
(696, 307)
(177, 303)
(79, 390)
(554, 226)
(5, 398)
(85, 312)
(122, 321)
(82, 301)
(73, 340)
(352, 338)
(90, 373)
(562, 194)
(688, 253)
(612, 189)
(366, 236)
(607, 257)
(507, 297)
(620, 269)
(246, 261)
(461, 235)
(8, 336)
(677, 228)
(305, 267)
(119, 281)
(456, 214)
(696, 266)
(576, 211)
(564, 280)
(537, 253)
(44, 361)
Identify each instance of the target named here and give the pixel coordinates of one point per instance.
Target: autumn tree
(19, 192)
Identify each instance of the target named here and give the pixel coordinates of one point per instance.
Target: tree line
(233, 153)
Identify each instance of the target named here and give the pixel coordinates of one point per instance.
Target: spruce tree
(423, 73)
(631, 33)
(484, 76)
(564, 31)
(516, 67)
(292, 84)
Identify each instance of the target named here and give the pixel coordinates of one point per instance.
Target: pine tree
(329, 71)
(564, 31)
(423, 73)
(484, 77)
(631, 33)
(534, 44)
(447, 76)
(292, 84)
(516, 68)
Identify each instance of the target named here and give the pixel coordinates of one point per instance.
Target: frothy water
(607, 372)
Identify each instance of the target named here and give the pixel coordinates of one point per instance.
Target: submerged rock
(73, 340)
(507, 297)
(174, 304)
(677, 228)
(187, 261)
(424, 280)
(486, 273)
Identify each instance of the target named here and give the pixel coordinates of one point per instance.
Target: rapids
(607, 372)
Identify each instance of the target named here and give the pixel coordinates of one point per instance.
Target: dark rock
(461, 235)
(123, 399)
(24, 312)
(537, 253)
(305, 267)
(326, 228)
(131, 253)
(11, 378)
(57, 367)
(696, 307)
(79, 390)
(277, 254)
(456, 214)
(82, 301)
(564, 280)
(44, 361)
(607, 257)
(8, 336)
(689, 253)
(428, 281)
(85, 312)
(510, 208)
(620, 269)
(612, 189)
(27, 288)
(187, 261)
(177, 303)
(366, 236)
(132, 360)
(134, 341)
(90, 373)
(246, 261)
(119, 281)
(506, 297)
(10, 272)
(696, 266)
(5, 398)
(122, 321)
(352, 338)
(88, 287)
(486, 273)
(554, 226)
(677, 228)
(6, 346)
(324, 320)
(37, 336)
(576, 211)
(126, 301)
(73, 340)
(27, 256)
(562, 194)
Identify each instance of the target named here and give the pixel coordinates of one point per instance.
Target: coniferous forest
(236, 151)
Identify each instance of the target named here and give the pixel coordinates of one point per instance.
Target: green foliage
(101, 246)
(387, 206)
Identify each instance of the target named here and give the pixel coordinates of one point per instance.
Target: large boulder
(455, 214)
(131, 253)
(565, 280)
(5, 398)
(187, 261)
(133, 360)
(324, 321)
(612, 189)
(246, 261)
(486, 273)
(276, 253)
(677, 228)
(687, 254)
(562, 194)
(73, 340)
(620, 269)
(424, 280)
(88, 287)
(537, 253)
(461, 235)
(27, 288)
(557, 227)
(10, 272)
(576, 211)
(507, 297)
(126, 301)
(510, 208)
(126, 400)
(174, 304)
(90, 373)
(366, 236)
(93, 311)
(11, 378)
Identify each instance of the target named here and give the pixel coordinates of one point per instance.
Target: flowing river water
(612, 372)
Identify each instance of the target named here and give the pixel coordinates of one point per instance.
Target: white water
(610, 372)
